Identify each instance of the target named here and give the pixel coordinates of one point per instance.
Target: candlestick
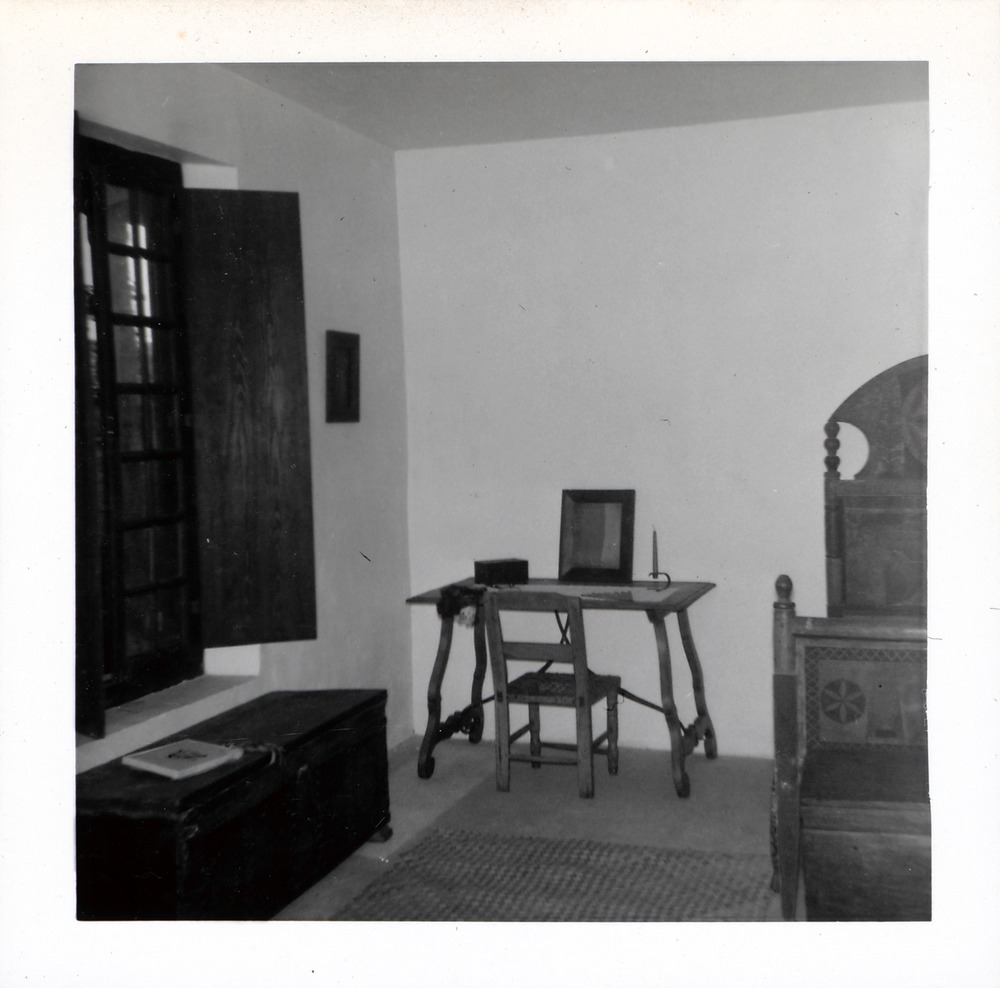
(656, 574)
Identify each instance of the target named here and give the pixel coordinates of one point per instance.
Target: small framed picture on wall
(343, 376)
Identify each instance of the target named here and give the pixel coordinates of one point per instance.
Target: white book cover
(182, 759)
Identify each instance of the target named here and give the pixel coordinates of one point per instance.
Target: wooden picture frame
(343, 376)
(596, 535)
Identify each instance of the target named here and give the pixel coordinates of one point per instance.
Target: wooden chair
(851, 802)
(851, 809)
(579, 688)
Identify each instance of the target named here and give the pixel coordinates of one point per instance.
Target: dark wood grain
(243, 840)
(243, 273)
(852, 875)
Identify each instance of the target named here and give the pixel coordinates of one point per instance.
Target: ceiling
(423, 105)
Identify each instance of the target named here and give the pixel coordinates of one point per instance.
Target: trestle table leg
(702, 727)
(469, 720)
(679, 744)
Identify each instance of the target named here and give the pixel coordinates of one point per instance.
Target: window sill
(146, 720)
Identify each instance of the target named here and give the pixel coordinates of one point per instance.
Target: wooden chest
(243, 840)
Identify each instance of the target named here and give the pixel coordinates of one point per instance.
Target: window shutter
(246, 331)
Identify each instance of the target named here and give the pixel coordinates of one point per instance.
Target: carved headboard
(876, 523)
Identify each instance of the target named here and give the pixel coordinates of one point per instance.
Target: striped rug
(455, 875)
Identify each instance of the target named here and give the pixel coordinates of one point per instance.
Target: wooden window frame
(114, 667)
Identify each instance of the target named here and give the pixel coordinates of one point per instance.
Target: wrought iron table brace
(651, 597)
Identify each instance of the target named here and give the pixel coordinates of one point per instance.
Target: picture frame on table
(596, 533)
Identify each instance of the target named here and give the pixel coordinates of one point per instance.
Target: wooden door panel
(246, 325)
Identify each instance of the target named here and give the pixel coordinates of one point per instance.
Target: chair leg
(612, 733)
(584, 749)
(535, 732)
(787, 836)
(502, 743)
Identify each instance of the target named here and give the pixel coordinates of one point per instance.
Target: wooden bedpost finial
(832, 444)
(783, 585)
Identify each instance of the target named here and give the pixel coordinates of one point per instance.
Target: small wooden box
(241, 841)
(500, 572)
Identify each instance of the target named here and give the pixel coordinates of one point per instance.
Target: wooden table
(649, 597)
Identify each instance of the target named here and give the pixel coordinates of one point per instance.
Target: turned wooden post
(785, 819)
(832, 445)
(784, 615)
(833, 519)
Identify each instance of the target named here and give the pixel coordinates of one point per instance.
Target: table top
(638, 595)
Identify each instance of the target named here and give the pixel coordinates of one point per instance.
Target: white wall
(346, 188)
(675, 311)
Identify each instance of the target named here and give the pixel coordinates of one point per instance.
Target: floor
(728, 810)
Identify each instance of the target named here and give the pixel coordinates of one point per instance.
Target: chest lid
(265, 728)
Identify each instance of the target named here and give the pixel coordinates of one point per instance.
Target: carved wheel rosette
(842, 701)
(914, 422)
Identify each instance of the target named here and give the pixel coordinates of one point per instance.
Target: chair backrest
(503, 650)
(876, 522)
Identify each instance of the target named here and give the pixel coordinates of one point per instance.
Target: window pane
(90, 399)
(166, 489)
(128, 355)
(166, 552)
(139, 625)
(161, 345)
(135, 490)
(117, 215)
(150, 489)
(151, 555)
(130, 423)
(166, 434)
(156, 289)
(154, 621)
(153, 221)
(137, 561)
(123, 292)
(86, 258)
(170, 616)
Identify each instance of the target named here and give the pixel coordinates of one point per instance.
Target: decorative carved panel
(876, 524)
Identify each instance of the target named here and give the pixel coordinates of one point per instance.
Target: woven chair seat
(559, 688)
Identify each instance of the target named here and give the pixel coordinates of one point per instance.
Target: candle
(656, 561)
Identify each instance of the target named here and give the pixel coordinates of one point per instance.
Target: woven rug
(454, 875)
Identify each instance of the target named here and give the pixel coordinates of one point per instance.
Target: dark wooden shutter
(246, 326)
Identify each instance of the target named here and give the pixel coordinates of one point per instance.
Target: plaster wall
(674, 311)
(206, 116)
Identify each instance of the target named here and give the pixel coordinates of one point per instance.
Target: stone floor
(728, 810)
